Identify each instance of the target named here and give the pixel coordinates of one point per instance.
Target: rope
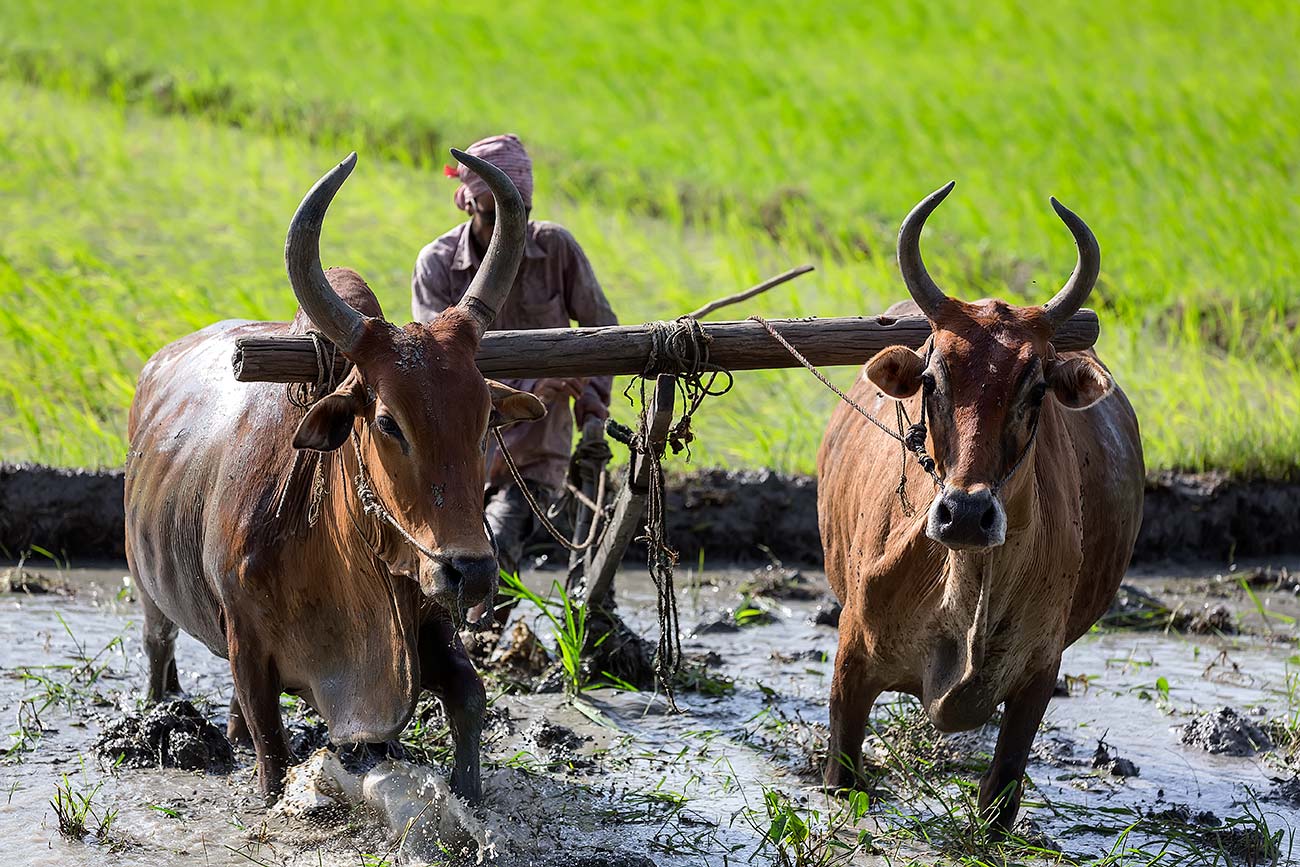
(681, 347)
(660, 560)
(304, 394)
(372, 505)
(540, 513)
(913, 439)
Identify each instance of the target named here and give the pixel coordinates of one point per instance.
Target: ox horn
(924, 291)
(1075, 291)
(495, 277)
(335, 318)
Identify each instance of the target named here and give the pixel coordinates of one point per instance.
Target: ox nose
(967, 519)
(464, 580)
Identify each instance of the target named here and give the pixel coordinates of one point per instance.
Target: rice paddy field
(153, 154)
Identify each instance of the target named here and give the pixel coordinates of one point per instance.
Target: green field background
(154, 152)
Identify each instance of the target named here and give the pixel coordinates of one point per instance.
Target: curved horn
(1075, 291)
(924, 291)
(490, 286)
(335, 318)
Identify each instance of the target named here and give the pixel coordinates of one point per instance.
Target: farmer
(555, 285)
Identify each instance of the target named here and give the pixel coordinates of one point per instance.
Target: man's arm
(586, 303)
(430, 286)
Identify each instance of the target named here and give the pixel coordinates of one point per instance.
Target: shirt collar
(466, 259)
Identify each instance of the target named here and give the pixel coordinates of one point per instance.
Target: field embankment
(714, 516)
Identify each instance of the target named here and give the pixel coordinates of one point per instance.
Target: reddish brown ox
(970, 603)
(344, 610)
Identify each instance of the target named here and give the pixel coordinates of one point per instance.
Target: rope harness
(541, 514)
(681, 347)
(912, 438)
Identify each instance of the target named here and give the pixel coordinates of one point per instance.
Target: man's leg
(513, 523)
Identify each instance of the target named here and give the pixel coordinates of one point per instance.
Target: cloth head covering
(505, 152)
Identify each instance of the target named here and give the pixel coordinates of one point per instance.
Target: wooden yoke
(620, 350)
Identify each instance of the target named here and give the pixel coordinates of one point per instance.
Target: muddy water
(640, 782)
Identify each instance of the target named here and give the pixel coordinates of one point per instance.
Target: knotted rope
(289, 508)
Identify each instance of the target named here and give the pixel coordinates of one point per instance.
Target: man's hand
(589, 406)
(551, 388)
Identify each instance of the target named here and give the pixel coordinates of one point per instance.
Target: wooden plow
(637, 350)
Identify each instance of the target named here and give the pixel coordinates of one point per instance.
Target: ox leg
(447, 672)
(237, 727)
(1000, 787)
(852, 695)
(160, 647)
(257, 693)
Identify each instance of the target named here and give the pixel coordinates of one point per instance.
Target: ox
(1039, 476)
(352, 610)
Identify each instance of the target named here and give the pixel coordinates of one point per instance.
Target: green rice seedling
(76, 813)
(1267, 617)
(568, 620)
(805, 836)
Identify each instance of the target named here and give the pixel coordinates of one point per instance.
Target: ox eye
(1036, 394)
(927, 382)
(388, 427)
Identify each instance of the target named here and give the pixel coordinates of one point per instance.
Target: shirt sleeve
(587, 305)
(430, 287)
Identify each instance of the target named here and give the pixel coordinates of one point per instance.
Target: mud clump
(1210, 620)
(1181, 814)
(556, 744)
(33, 583)
(1134, 608)
(777, 582)
(1273, 579)
(1288, 792)
(1104, 760)
(521, 652)
(828, 613)
(748, 613)
(172, 734)
(1226, 732)
(614, 648)
(552, 737)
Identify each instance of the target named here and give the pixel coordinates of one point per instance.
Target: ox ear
(1079, 382)
(896, 370)
(510, 405)
(327, 424)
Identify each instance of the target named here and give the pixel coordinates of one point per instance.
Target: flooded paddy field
(614, 777)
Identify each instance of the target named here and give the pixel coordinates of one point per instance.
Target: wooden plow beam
(626, 349)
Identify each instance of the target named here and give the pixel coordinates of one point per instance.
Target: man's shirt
(554, 287)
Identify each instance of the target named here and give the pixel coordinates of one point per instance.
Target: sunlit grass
(124, 230)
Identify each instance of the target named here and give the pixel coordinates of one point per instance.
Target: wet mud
(170, 734)
(726, 516)
(612, 777)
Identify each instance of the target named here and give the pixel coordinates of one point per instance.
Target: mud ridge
(728, 516)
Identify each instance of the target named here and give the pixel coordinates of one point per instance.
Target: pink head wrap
(505, 152)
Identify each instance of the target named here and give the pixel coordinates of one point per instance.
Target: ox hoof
(842, 775)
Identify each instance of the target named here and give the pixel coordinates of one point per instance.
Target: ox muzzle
(459, 581)
(967, 519)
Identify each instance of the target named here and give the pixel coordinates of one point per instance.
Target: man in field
(555, 285)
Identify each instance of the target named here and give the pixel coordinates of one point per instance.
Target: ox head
(986, 375)
(415, 406)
